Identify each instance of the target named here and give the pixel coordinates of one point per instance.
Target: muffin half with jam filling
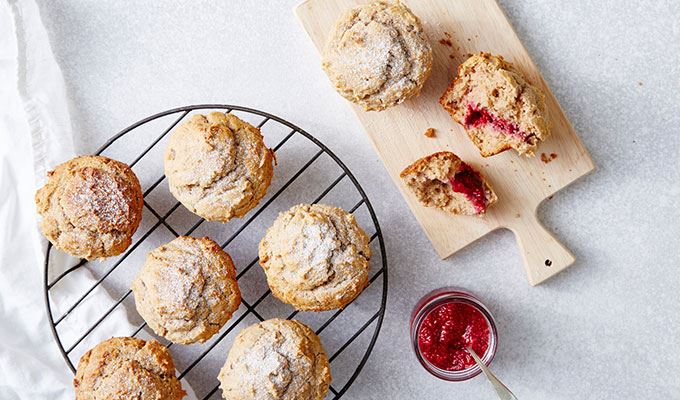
(497, 106)
(444, 181)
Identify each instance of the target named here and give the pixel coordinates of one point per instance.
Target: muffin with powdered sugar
(276, 360)
(90, 207)
(378, 55)
(218, 166)
(187, 290)
(316, 257)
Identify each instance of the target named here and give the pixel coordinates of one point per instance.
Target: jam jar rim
(435, 299)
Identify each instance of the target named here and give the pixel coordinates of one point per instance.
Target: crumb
(640, 83)
(451, 56)
(517, 215)
(446, 42)
(448, 35)
(430, 132)
(547, 158)
(550, 197)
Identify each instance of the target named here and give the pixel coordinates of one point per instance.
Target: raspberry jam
(468, 182)
(448, 330)
(478, 116)
(445, 323)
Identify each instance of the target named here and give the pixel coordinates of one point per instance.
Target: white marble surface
(608, 328)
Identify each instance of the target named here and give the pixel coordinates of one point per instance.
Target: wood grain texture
(521, 183)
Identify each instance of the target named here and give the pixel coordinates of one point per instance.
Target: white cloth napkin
(35, 135)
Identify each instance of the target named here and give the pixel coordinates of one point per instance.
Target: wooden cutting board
(457, 28)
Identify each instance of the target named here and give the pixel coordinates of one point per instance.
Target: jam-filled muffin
(497, 106)
(444, 181)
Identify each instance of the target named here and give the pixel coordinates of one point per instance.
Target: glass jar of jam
(444, 324)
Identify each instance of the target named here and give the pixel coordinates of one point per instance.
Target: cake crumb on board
(548, 158)
(430, 132)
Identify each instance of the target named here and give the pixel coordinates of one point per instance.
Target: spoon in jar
(501, 390)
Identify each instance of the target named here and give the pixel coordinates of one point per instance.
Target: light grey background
(608, 328)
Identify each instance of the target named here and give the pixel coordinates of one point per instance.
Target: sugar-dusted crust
(276, 360)
(316, 257)
(488, 82)
(90, 206)
(378, 55)
(429, 179)
(127, 368)
(187, 290)
(218, 166)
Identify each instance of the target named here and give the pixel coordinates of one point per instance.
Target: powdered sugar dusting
(378, 56)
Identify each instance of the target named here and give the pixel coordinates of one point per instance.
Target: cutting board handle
(543, 255)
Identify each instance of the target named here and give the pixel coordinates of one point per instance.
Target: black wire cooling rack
(370, 313)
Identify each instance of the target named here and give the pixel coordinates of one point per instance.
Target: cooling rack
(345, 333)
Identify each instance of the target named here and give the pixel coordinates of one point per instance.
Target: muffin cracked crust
(127, 368)
(316, 257)
(218, 166)
(378, 55)
(276, 360)
(187, 290)
(90, 207)
(497, 107)
(444, 181)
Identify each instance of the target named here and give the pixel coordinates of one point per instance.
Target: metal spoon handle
(501, 390)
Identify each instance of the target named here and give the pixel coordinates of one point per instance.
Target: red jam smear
(448, 330)
(478, 116)
(468, 182)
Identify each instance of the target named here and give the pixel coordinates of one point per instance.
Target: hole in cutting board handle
(544, 256)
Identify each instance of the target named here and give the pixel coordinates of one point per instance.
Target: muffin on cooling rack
(187, 290)
(218, 166)
(316, 257)
(497, 106)
(443, 181)
(90, 207)
(276, 360)
(378, 55)
(127, 368)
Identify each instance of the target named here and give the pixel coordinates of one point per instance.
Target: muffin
(90, 207)
(316, 257)
(378, 55)
(496, 105)
(218, 166)
(276, 360)
(187, 290)
(443, 181)
(127, 368)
